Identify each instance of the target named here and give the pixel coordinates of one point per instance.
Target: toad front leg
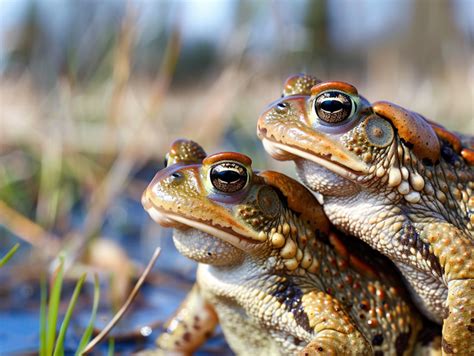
(458, 327)
(335, 331)
(455, 252)
(190, 327)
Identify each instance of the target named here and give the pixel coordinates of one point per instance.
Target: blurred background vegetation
(92, 93)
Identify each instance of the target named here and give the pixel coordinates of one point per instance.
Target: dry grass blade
(122, 62)
(167, 69)
(127, 160)
(126, 305)
(50, 179)
(28, 230)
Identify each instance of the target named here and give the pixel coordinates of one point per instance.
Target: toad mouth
(285, 152)
(168, 219)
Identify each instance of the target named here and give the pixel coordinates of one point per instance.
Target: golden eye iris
(229, 177)
(333, 107)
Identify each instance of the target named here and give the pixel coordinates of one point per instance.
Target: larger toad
(272, 270)
(392, 178)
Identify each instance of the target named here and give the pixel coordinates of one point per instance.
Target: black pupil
(228, 177)
(331, 105)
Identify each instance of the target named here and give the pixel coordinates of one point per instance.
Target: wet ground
(128, 225)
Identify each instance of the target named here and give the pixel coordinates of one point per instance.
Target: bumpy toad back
(279, 277)
(401, 183)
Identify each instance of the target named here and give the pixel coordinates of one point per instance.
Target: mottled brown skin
(279, 278)
(395, 180)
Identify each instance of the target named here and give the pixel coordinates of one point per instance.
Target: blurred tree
(316, 21)
(325, 55)
(20, 41)
(426, 46)
(435, 24)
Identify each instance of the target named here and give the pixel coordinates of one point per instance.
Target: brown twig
(28, 230)
(126, 305)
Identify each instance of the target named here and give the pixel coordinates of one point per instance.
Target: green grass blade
(44, 301)
(9, 254)
(111, 346)
(59, 348)
(53, 307)
(90, 327)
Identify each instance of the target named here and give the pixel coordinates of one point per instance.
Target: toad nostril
(282, 107)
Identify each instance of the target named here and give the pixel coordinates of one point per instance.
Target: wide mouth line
(226, 234)
(314, 157)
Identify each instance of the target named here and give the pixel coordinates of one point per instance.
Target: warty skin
(392, 178)
(272, 270)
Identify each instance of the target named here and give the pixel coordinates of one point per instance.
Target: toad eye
(334, 107)
(229, 177)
